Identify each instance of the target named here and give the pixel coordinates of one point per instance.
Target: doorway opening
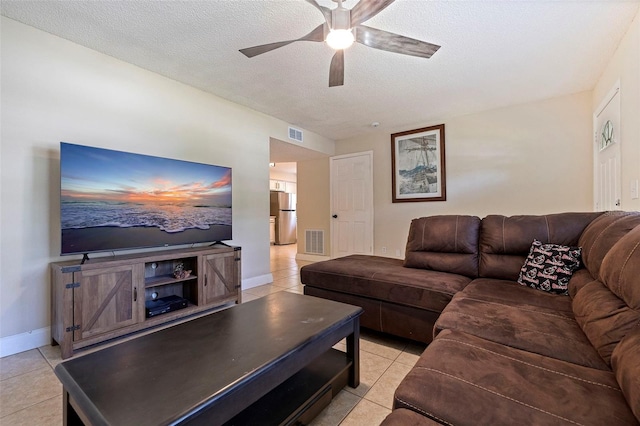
(283, 178)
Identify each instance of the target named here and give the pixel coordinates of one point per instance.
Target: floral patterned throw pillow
(549, 267)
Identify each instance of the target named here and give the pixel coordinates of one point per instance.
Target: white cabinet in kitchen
(281, 185)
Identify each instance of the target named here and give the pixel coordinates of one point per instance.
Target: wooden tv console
(104, 298)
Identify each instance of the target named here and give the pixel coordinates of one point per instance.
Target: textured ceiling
(494, 53)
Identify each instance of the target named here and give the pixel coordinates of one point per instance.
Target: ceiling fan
(343, 26)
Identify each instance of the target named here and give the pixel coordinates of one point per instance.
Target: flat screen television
(113, 200)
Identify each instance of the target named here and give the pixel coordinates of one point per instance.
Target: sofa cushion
(626, 365)
(620, 270)
(549, 267)
(385, 279)
(508, 292)
(578, 280)
(608, 310)
(603, 317)
(505, 241)
(444, 243)
(465, 380)
(530, 328)
(605, 231)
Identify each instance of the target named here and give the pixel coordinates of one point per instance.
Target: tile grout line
(30, 406)
(28, 372)
(365, 395)
(47, 359)
(350, 410)
(382, 406)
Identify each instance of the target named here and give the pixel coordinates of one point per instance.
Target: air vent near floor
(314, 241)
(295, 134)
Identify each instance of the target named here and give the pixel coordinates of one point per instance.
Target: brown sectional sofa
(503, 353)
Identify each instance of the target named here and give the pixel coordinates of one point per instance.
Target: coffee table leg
(353, 353)
(69, 415)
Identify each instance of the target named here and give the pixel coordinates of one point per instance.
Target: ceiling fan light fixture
(340, 39)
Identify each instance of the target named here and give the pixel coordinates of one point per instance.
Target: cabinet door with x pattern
(220, 278)
(106, 300)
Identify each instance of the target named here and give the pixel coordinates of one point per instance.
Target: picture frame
(418, 165)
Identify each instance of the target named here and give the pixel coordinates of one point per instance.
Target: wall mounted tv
(113, 200)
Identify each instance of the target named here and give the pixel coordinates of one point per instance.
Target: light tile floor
(30, 393)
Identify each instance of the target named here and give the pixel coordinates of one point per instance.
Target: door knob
(335, 216)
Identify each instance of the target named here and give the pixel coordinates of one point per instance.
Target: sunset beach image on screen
(112, 199)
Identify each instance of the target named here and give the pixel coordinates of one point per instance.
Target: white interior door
(352, 204)
(607, 155)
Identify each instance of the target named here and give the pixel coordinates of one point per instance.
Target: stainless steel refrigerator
(283, 207)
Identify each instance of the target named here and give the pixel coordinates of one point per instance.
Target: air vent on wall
(314, 241)
(295, 134)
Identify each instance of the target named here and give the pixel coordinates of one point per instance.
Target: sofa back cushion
(580, 278)
(444, 243)
(608, 309)
(626, 366)
(620, 270)
(505, 241)
(605, 231)
(603, 317)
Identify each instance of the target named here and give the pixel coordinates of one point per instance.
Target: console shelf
(166, 279)
(104, 298)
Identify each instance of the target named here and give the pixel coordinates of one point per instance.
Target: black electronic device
(163, 305)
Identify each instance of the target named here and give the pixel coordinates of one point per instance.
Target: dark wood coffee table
(269, 361)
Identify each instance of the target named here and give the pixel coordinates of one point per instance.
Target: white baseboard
(256, 281)
(311, 257)
(24, 341)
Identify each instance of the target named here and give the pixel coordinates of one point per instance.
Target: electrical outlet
(384, 250)
(398, 252)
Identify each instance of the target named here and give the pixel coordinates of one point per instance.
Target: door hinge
(72, 285)
(73, 328)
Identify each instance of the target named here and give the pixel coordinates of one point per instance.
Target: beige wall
(54, 90)
(313, 200)
(625, 67)
(526, 159)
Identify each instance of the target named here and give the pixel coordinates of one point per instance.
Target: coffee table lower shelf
(299, 399)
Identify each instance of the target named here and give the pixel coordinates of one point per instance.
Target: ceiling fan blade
(383, 40)
(336, 71)
(250, 52)
(367, 9)
(317, 34)
(325, 11)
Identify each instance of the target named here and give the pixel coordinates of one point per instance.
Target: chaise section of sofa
(399, 297)
(402, 301)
